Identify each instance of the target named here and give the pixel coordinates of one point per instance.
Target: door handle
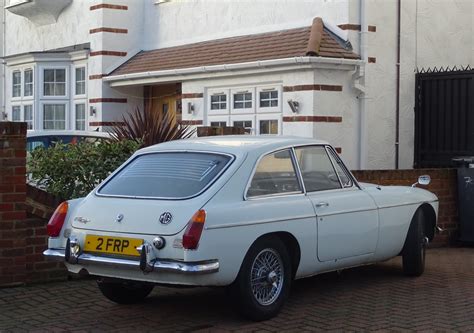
(321, 204)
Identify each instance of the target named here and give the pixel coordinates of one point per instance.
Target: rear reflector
(193, 230)
(56, 221)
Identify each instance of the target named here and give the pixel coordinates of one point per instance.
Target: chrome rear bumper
(157, 265)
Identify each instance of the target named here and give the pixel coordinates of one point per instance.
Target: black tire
(414, 250)
(126, 292)
(259, 308)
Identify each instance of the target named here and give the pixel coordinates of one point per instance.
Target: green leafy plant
(150, 127)
(72, 171)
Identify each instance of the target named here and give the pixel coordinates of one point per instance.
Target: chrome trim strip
(159, 265)
(298, 169)
(246, 224)
(108, 179)
(348, 212)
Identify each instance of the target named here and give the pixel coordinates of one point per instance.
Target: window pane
(269, 126)
(247, 124)
(60, 75)
(60, 89)
(54, 116)
(16, 84)
(80, 81)
(242, 100)
(80, 88)
(218, 124)
(28, 89)
(275, 174)
(268, 98)
(16, 113)
(28, 76)
(28, 116)
(166, 175)
(317, 170)
(343, 176)
(80, 117)
(48, 89)
(219, 102)
(48, 75)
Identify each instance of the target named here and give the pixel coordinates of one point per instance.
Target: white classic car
(250, 213)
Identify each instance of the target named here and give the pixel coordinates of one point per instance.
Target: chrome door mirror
(423, 180)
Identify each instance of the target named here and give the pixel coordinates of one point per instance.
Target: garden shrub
(72, 171)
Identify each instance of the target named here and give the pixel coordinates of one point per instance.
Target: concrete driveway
(363, 299)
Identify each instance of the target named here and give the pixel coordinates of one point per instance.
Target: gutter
(397, 108)
(362, 148)
(239, 66)
(3, 78)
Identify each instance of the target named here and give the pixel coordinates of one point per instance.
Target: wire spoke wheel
(267, 276)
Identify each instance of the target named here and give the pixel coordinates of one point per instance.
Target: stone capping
(107, 100)
(192, 95)
(108, 53)
(316, 87)
(313, 119)
(108, 6)
(190, 122)
(112, 30)
(356, 27)
(106, 123)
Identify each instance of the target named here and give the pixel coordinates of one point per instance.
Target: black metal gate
(444, 116)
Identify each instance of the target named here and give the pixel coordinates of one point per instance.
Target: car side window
(275, 174)
(316, 168)
(343, 176)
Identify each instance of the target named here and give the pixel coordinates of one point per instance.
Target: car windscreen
(167, 175)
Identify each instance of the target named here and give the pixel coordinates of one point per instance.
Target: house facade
(338, 70)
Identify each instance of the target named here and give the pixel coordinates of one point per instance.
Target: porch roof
(315, 40)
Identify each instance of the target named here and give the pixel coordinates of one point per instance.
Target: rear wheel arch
(291, 244)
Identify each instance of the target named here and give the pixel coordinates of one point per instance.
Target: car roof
(234, 144)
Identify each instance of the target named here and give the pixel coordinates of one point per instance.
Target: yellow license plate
(112, 245)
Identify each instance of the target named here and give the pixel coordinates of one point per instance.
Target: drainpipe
(362, 96)
(397, 103)
(4, 27)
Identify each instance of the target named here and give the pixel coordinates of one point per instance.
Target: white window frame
(32, 83)
(214, 92)
(16, 84)
(32, 115)
(67, 117)
(75, 81)
(271, 109)
(67, 85)
(74, 126)
(268, 117)
(242, 110)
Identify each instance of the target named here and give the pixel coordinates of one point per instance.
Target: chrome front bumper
(156, 265)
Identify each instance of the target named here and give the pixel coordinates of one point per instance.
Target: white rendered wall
(71, 28)
(182, 22)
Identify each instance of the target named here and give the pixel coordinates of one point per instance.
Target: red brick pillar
(12, 202)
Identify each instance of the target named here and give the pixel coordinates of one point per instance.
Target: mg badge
(166, 218)
(119, 218)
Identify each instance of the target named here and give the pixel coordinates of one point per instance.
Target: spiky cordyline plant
(150, 127)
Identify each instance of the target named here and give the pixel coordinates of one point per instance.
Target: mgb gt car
(249, 213)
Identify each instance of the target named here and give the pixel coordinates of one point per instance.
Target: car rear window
(174, 175)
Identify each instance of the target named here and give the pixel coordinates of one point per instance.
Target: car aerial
(248, 213)
(49, 137)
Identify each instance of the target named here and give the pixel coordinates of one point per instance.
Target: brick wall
(443, 184)
(22, 234)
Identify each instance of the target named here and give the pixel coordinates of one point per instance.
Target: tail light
(193, 230)
(56, 221)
